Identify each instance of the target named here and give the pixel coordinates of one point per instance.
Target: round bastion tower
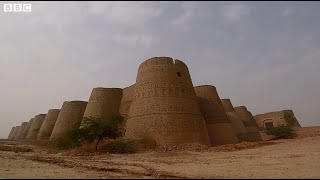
(20, 131)
(15, 131)
(70, 115)
(48, 124)
(164, 106)
(219, 126)
(26, 130)
(236, 121)
(249, 122)
(10, 134)
(35, 126)
(103, 103)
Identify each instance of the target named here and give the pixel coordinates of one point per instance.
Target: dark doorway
(268, 125)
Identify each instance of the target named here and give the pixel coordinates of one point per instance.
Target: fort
(70, 114)
(275, 119)
(162, 105)
(48, 124)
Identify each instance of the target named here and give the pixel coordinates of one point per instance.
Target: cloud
(287, 12)
(187, 13)
(235, 11)
(133, 39)
(126, 13)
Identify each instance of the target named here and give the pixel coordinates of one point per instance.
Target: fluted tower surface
(10, 134)
(296, 122)
(16, 135)
(227, 105)
(236, 121)
(35, 126)
(48, 124)
(10, 137)
(71, 113)
(249, 122)
(126, 100)
(103, 102)
(15, 132)
(218, 124)
(20, 131)
(164, 105)
(26, 130)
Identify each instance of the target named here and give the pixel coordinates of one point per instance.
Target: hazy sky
(264, 55)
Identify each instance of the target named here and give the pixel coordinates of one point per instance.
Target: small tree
(285, 132)
(98, 128)
(71, 138)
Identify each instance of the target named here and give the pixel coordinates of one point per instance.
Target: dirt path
(298, 158)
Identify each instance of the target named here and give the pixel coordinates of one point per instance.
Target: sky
(264, 55)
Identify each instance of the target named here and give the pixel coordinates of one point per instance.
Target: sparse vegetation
(98, 128)
(72, 138)
(285, 132)
(121, 147)
(92, 129)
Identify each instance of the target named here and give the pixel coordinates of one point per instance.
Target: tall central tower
(164, 105)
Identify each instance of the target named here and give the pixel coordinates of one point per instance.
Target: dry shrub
(15, 149)
(240, 146)
(121, 147)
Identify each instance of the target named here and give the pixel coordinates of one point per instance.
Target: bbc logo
(17, 7)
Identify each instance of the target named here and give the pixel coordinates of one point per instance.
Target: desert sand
(287, 158)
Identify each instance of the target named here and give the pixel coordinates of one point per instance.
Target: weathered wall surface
(48, 124)
(296, 122)
(35, 127)
(277, 118)
(164, 105)
(227, 105)
(26, 130)
(15, 132)
(236, 122)
(126, 100)
(21, 128)
(218, 124)
(250, 124)
(70, 114)
(103, 102)
(10, 134)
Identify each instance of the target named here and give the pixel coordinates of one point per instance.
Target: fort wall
(15, 132)
(10, 134)
(21, 128)
(218, 124)
(48, 124)
(164, 106)
(126, 100)
(277, 118)
(35, 127)
(103, 103)
(250, 124)
(26, 130)
(71, 114)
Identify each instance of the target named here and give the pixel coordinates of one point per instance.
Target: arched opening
(179, 74)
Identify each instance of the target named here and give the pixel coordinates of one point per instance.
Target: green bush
(65, 143)
(72, 138)
(98, 128)
(285, 132)
(91, 129)
(121, 147)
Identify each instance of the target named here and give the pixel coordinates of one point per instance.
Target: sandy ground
(295, 158)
